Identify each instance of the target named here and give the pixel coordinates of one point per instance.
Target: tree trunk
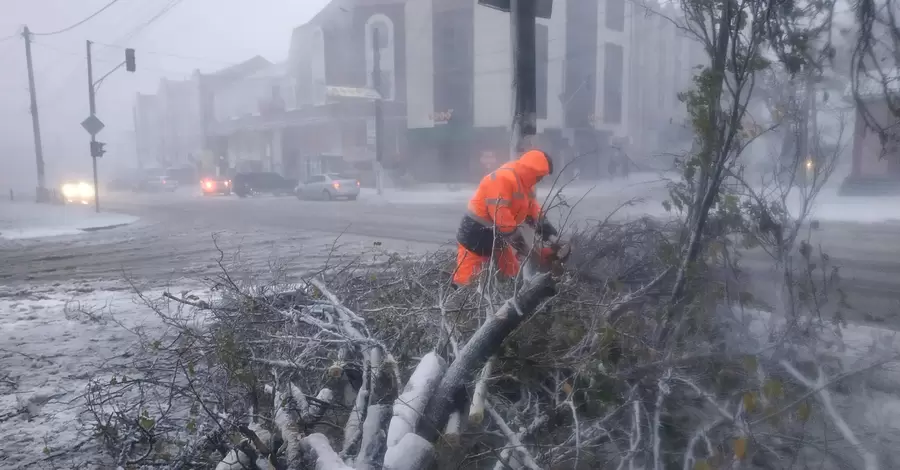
(484, 343)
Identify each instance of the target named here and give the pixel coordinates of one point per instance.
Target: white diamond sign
(92, 125)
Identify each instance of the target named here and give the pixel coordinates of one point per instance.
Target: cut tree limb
(413, 452)
(374, 438)
(319, 453)
(476, 412)
(485, 342)
(412, 402)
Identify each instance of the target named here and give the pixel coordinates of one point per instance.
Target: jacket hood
(532, 166)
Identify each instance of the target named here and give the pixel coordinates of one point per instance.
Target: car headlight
(85, 190)
(69, 190)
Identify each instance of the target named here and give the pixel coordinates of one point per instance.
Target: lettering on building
(441, 117)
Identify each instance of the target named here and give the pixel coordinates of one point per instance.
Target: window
(542, 56)
(613, 83)
(615, 15)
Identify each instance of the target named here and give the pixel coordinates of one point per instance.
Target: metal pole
(35, 122)
(93, 105)
(524, 86)
(379, 116)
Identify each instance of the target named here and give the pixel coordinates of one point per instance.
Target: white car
(328, 186)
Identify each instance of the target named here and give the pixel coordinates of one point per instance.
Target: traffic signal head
(129, 60)
(97, 149)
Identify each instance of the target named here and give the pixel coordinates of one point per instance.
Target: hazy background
(193, 34)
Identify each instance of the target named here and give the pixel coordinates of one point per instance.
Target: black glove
(546, 230)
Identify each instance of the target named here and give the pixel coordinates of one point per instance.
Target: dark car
(248, 184)
(215, 185)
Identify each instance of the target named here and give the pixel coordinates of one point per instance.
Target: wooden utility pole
(93, 106)
(379, 116)
(41, 195)
(522, 40)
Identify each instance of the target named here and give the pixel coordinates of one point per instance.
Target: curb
(105, 227)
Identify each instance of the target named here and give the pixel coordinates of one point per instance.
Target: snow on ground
(636, 185)
(831, 206)
(52, 340)
(29, 220)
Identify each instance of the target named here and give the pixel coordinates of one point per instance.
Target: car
(155, 180)
(328, 186)
(215, 185)
(77, 192)
(155, 184)
(249, 184)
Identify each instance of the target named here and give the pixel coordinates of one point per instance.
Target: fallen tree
(386, 367)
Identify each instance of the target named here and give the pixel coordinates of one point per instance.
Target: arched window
(318, 66)
(385, 30)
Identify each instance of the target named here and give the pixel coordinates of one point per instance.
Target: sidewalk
(19, 220)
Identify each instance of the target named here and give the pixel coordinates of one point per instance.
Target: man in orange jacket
(504, 200)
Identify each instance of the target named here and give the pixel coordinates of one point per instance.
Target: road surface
(175, 239)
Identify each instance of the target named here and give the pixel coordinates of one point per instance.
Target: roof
(272, 71)
(337, 6)
(237, 71)
(254, 63)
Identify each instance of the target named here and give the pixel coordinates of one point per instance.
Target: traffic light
(97, 149)
(129, 60)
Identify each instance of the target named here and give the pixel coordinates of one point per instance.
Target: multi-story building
(459, 82)
(148, 135)
(323, 120)
(172, 126)
(664, 60)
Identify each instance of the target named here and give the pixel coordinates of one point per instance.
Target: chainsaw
(552, 252)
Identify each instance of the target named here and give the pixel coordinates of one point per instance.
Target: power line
(129, 35)
(169, 54)
(111, 3)
(166, 9)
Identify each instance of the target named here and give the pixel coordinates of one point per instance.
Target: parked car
(215, 185)
(248, 184)
(328, 186)
(156, 183)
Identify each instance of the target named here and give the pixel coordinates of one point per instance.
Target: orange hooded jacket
(506, 196)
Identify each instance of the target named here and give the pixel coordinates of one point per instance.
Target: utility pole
(522, 15)
(379, 117)
(35, 122)
(93, 105)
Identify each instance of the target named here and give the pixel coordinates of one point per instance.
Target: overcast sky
(193, 34)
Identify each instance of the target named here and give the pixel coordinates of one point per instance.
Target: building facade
(314, 113)
(460, 75)
(665, 58)
(172, 126)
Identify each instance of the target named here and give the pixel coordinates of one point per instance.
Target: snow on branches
(363, 367)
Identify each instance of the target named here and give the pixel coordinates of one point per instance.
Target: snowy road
(174, 239)
(46, 284)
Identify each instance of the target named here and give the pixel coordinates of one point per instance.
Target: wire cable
(137, 30)
(89, 18)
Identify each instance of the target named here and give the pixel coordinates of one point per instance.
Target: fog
(193, 34)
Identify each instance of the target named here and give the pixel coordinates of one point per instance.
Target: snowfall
(54, 338)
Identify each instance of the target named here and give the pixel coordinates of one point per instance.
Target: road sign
(92, 125)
